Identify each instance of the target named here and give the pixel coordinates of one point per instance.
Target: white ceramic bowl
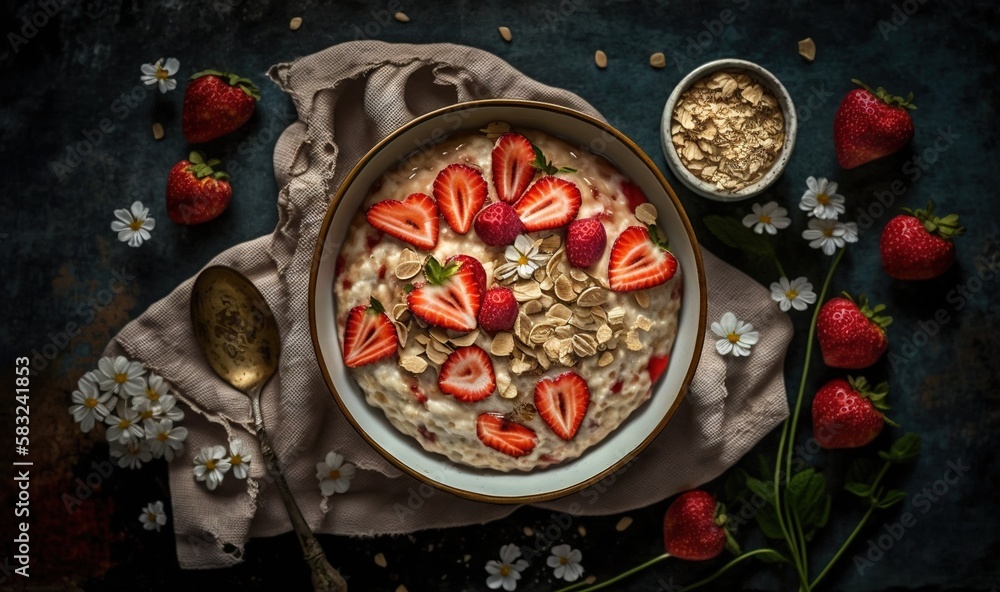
(702, 187)
(622, 444)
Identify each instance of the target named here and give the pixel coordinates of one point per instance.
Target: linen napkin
(348, 97)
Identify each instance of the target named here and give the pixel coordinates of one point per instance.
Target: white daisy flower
(334, 474)
(160, 72)
(821, 199)
(506, 572)
(153, 516)
(91, 404)
(240, 456)
(770, 217)
(737, 336)
(797, 294)
(166, 407)
(522, 257)
(120, 376)
(164, 439)
(566, 562)
(133, 225)
(125, 426)
(156, 387)
(211, 465)
(830, 235)
(132, 454)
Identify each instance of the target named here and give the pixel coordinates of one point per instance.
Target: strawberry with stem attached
(449, 298)
(849, 413)
(215, 104)
(196, 192)
(851, 334)
(871, 124)
(639, 260)
(918, 245)
(369, 335)
(695, 527)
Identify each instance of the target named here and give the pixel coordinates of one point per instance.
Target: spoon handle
(324, 577)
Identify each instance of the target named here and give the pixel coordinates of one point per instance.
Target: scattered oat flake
(380, 560)
(623, 524)
(295, 23)
(414, 364)
(644, 323)
(632, 341)
(401, 17)
(528, 531)
(658, 60)
(158, 131)
(505, 33)
(642, 298)
(807, 49)
(401, 588)
(600, 59)
(583, 531)
(646, 213)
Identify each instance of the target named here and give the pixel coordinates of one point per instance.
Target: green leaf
(760, 488)
(808, 500)
(862, 471)
(732, 232)
(903, 449)
(767, 516)
(891, 498)
(862, 490)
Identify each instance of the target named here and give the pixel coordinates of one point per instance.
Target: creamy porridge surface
(609, 344)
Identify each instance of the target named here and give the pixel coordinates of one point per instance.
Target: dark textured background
(59, 256)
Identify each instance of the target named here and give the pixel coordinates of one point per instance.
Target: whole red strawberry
(871, 124)
(216, 103)
(585, 241)
(918, 245)
(694, 527)
(196, 192)
(851, 336)
(847, 413)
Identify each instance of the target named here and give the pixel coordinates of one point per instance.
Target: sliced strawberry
(369, 335)
(562, 402)
(460, 191)
(476, 267)
(467, 375)
(414, 219)
(550, 203)
(512, 170)
(639, 260)
(633, 195)
(503, 435)
(656, 366)
(450, 298)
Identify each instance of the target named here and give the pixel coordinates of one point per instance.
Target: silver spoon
(238, 334)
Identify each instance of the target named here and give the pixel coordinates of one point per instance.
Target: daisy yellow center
(210, 464)
(733, 337)
(152, 395)
(828, 232)
(90, 402)
(522, 260)
(121, 377)
(135, 224)
(124, 424)
(791, 294)
(151, 516)
(563, 560)
(765, 219)
(236, 460)
(334, 474)
(146, 414)
(504, 570)
(162, 436)
(823, 199)
(161, 74)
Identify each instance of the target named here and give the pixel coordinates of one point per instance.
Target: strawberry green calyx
(202, 168)
(721, 519)
(871, 313)
(947, 227)
(884, 96)
(244, 84)
(375, 305)
(660, 241)
(546, 166)
(876, 395)
(438, 274)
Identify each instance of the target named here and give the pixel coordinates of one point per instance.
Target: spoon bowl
(239, 336)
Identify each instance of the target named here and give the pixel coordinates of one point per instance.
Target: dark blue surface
(80, 66)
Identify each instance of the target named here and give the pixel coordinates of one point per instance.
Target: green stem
(857, 529)
(781, 510)
(726, 567)
(620, 576)
(781, 270)
(575, 587)
(802, 546)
